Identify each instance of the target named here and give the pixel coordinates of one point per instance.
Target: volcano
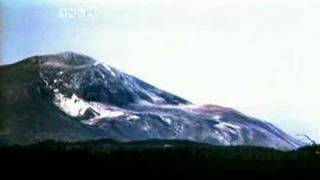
(72, 97)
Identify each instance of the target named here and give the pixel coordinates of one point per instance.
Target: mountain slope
(71, 97)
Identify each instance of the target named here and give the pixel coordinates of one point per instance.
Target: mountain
(72, 97)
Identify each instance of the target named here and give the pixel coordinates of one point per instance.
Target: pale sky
(258, 56)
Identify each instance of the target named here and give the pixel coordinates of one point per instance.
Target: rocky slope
(72, 97)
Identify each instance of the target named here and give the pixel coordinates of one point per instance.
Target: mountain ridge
(71, 97)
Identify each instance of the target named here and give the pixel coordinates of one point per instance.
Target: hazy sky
(259, 56)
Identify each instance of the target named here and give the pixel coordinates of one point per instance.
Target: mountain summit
(72, 97)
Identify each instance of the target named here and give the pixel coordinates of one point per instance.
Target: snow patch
(167, 120)
(146, 127)
(228, 127)
(155, 98)
(105, 111)
(145, 103)
(96, 63)
(88, 122)
(73, 106)
(76, 107)
(113, 74)
(56, 90)
(110, 70)
(132, 117)
(217, 117)
(55, 64)
(46, 82)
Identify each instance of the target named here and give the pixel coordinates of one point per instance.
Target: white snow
(110, 113)
(167, 120)
(109, 69)
(184, 107)
(55, 81)
(56, 64)
(46, 82)
(146, 127)
(88, 122)
(75, 107)
(60, 72)
(221, 138)
(105, 111)
(72, 106)
(56, 90)
(155, 98)
(228, 127)
(112, 73)
(132, 117)
(145, 103)
(217, 117)
(96, 63)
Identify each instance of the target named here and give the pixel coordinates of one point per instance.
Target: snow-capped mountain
(72, 97)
